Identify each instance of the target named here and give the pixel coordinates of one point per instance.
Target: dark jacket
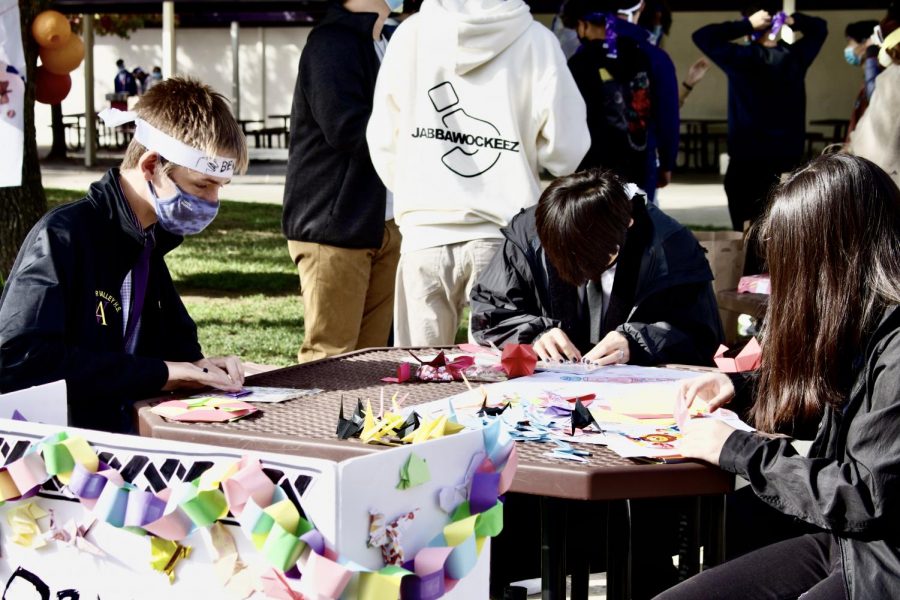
(664, 132)
(766, 88)
(662, 300)
(617, 93)
(72, 263)
(850, 482)
(332, 194)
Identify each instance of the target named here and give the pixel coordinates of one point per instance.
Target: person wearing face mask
(90, 299)
(862, 50)
(656, 18)
(154, 78)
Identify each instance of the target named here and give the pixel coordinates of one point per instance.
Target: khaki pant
(433, 287)
(348, 294)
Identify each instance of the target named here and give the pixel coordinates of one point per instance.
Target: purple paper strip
(427, 587)
(485, 487)
(314, 540)
(557, 411)
(293, 573)
(17, 416)
(143, 508)
(85, 484)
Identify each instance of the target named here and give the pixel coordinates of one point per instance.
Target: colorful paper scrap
(413, 472)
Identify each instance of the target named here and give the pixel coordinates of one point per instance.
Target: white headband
(629, 12)
(168, 147)
(632, 190)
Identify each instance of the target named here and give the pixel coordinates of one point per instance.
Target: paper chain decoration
(271, 521)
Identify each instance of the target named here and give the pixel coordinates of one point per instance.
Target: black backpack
(619, 107)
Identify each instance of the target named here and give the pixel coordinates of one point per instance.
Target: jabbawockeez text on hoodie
(473, 98)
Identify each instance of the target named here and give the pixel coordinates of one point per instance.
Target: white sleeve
(384, 123)
(563, 137)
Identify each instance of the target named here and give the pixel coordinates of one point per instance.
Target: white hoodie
(473, 98)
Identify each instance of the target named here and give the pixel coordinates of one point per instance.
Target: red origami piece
(518, 360)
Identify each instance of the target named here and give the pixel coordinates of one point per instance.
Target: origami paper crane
(518, 360)
(165, 554)
(492, 411)
(73, 534)
(436, 369)
(413, 472)
(433, 429)
(412, 423)
(351, 427)
(582, 417)
(389, 536)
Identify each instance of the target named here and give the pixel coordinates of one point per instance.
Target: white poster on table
(60, 570)
(39, 404)
(39, 559)
(369, 484)
(12, 126)
(12, 95)
(11, 51)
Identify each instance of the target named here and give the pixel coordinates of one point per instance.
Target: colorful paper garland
(271, 521)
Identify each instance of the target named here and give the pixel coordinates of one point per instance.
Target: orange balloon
(51, 29)
(63, 60)
(50, 87)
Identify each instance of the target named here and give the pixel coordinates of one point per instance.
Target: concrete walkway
(691, 199)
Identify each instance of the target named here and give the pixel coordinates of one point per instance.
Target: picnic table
(306, 427)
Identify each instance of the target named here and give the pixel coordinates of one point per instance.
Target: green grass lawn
(238, 283)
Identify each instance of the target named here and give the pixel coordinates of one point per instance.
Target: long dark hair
(581, 220)
(832, 241)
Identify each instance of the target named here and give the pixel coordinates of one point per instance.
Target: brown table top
(306, 427)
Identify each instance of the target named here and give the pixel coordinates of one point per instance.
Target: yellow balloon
(63, 60)
(51, 29)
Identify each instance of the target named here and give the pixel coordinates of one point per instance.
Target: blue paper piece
(111, 505)
(498, 442)
(463, 558)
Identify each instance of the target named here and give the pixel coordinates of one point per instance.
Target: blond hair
(193, 113)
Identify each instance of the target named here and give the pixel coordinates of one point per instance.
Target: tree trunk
(58, 149)
(21, 207)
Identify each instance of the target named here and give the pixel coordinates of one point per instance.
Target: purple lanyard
(139, 275)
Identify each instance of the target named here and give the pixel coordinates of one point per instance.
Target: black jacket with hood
(850, 482)
(332, 194)
(661, 300)
(61, 312)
